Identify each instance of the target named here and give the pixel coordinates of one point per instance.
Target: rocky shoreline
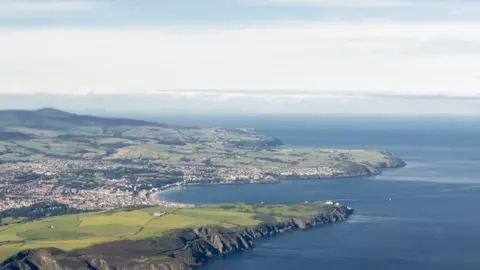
(355, 170)
(180, 250)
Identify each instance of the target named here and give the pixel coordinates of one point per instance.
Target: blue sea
(424, 216)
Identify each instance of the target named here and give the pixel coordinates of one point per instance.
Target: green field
(83, 230)
(57, 134)
(117, 148)
(235, 157)
(53, 133)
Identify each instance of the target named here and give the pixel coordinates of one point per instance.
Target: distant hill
(49, 132)
(53, 119)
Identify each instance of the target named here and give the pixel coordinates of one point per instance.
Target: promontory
(154, 237)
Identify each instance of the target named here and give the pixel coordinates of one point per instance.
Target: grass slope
(83, 230)
(57, 134)
(30, 135)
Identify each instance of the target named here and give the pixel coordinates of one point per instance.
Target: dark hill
(19, 136)
(53, 119)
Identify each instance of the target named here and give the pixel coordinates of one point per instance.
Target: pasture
(174, 146)
(86, 229)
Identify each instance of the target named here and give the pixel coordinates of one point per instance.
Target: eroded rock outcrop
(179, 250)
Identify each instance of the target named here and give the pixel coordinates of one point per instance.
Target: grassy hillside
(83, 230)
(29, 135)
(50, 133)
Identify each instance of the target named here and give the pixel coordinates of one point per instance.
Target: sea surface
(424, 216)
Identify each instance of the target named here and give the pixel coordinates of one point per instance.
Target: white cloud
(374, 3)
(373, 57)
(343, 3)
(7, 6)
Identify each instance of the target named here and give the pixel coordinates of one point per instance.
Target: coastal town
(100, 184)
(90, 163)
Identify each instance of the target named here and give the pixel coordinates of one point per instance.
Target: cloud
(373, 3)
(47, 5)
(306, 94)
(343, 3)
(453, 8)
(379, 57)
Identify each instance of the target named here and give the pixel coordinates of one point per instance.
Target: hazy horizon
(410, 57)
(246, 104)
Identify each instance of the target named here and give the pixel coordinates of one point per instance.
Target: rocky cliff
(391, 161)
(179, 250)
(354, 169)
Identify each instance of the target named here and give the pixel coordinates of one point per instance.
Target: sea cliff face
(180, 250)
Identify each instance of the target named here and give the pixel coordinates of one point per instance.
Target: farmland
(82, 230)
(57, 134)
(50, 133)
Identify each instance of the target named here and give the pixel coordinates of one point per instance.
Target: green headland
(153, 237)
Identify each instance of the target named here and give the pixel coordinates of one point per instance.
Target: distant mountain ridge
(54, 119)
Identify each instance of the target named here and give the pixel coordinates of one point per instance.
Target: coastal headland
(93, 163)
(80, 191)
(154, 237)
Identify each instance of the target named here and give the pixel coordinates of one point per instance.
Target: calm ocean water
(431, 222)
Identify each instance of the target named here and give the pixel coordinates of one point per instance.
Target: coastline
(183, 249)
(378, 170)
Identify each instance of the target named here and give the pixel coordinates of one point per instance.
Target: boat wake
(368, 219)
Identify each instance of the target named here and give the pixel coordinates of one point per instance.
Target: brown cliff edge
(179, 250)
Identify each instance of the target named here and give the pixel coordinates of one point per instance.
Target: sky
(297, 53)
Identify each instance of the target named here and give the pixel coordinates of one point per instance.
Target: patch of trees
(39, 210)
(87, 184)
(271, 159)
(227, 207)
(13, 135)
(114, 146)
(75, 138)
(123, 172)
(171, 142)
(27, 177)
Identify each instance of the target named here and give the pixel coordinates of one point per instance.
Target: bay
(423, 216)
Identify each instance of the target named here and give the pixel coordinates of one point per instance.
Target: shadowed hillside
(53, 119)
(154, 238)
